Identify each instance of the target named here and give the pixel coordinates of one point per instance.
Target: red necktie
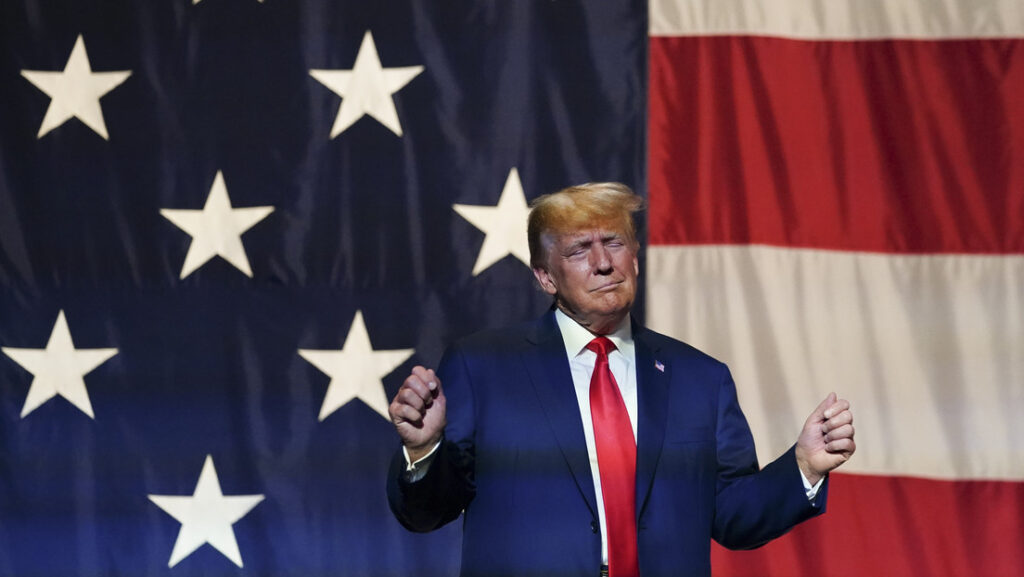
(616, 459)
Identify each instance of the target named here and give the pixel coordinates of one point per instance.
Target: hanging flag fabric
(837, 204)
(228, 231)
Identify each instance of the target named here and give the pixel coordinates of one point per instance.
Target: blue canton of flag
(229, 229)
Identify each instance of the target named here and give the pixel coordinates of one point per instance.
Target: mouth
(607, 287)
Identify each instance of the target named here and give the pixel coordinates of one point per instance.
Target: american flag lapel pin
(659, 365)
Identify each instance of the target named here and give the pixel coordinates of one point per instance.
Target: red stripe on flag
(886, 146)
(897, 527)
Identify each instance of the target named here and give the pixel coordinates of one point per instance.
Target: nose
(601, 259)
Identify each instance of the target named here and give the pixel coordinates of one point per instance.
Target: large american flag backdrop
(228, 229)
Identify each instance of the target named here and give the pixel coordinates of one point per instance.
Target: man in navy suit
(582, 443)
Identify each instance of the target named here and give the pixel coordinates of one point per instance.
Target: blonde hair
(594, 204)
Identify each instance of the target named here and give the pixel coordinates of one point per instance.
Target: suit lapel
(549, 373)
(652, 378)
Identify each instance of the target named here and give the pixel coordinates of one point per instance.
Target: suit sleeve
(754, 506)
(448, 486)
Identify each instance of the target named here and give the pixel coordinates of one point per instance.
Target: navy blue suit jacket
(514, 461)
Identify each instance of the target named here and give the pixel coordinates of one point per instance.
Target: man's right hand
(418, 412)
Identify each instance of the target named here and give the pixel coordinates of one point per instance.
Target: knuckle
(410, 398)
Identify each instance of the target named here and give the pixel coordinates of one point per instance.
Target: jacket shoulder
(676, 348)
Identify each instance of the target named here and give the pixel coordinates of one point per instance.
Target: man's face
(592, 274)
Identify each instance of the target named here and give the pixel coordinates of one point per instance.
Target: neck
(599, 326)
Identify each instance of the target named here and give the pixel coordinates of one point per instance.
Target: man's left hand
(826, 440)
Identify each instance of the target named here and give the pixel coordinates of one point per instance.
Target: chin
(615, 300)
(619, 307)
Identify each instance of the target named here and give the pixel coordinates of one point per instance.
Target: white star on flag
(206, 516)
(59, 369)
(367, 88)
(356, 370)
(75, 92)
(504, 225)
(217, 229)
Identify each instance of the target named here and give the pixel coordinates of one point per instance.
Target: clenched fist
(826, 440)
(418, 412)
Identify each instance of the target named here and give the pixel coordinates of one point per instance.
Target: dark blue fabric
(209, 365)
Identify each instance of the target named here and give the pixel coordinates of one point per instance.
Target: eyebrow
(587, 240)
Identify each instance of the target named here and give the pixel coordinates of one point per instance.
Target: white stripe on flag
(929, 349)
(838, 19)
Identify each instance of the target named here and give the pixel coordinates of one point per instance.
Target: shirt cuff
(414, 471)
(812, 492)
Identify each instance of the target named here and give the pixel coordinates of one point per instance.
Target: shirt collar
(576, 337)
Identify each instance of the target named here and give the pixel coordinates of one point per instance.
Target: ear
(636, 264)
(546, 282)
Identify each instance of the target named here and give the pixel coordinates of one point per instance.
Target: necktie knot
(602, 346)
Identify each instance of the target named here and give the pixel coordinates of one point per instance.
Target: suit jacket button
(593, 526)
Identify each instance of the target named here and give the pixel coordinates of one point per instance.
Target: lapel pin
(659, 365)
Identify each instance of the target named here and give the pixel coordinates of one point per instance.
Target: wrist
(808, 472)
(418, 451)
